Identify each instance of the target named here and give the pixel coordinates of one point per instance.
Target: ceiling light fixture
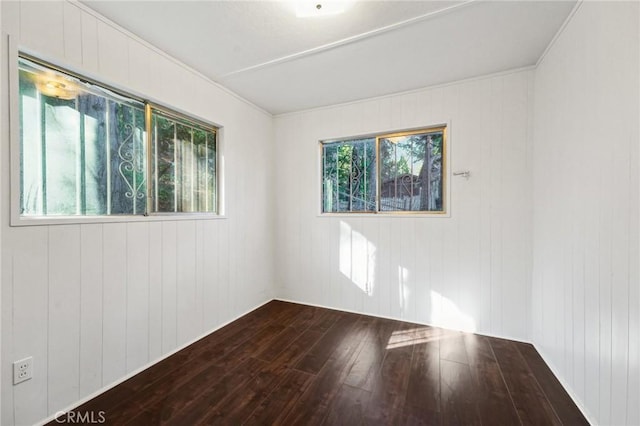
(56, 88)
(309, 8)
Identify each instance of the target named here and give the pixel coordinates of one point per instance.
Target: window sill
(386, 215)
(80, 220)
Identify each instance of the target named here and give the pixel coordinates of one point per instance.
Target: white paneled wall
(470, 271)
(94, 302)
(586, 295)
(541, 244)
(2, 313)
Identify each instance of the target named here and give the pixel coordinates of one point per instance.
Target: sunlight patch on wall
(445, 313)
(357, 258)
(404, 293)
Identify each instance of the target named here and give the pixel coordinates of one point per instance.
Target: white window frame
(17, 219)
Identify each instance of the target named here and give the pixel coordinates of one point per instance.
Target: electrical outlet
(22, 370)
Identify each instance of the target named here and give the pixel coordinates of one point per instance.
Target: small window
(86, 150)
(400, 172)
(184, 165)
(349, 176)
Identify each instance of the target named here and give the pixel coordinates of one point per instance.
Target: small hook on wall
(465, 174)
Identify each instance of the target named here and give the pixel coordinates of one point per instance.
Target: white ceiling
(264, 52)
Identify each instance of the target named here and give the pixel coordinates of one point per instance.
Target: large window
(399, 172)
(86, 150)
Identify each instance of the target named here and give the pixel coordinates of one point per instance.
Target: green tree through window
(401, 172)
(84, 151)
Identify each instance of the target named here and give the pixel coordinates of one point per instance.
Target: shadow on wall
(359, 263)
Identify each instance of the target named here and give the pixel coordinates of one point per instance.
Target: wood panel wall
(541, 243)
(468, 271)
(586, 290)
(94, 302)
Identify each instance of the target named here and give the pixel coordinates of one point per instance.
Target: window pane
(184, 164)
(349, 176)
(411, 172)
(82, 147)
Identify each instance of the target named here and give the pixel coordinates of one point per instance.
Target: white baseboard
(515, 339)
(546, 359)
(144, 367)
(566, 387)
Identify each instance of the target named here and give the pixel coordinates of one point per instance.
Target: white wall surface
(585, 307)
(94, 302)
(2, 106)
(470, 271)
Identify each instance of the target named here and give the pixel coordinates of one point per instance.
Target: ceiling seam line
(348, 40)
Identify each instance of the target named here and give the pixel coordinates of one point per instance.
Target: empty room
(312, 212)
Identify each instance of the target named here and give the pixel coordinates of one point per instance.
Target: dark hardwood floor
(293, 364)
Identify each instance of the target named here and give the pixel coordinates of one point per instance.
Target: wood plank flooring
(292, 364)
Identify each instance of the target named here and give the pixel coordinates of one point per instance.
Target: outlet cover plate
(22, 370)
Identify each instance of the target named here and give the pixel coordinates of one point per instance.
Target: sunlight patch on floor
(419, 335)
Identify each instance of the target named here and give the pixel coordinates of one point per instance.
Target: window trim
(445, 127)
(17, 219)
